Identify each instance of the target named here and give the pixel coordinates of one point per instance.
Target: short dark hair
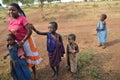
(54, 24)
(72, 36)
(104, 16)
(11, 35)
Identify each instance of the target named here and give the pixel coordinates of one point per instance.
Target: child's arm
(67, 55)
(103, 27)
(76, 49)
(67, 49)
(7, 53)
(38, 32)
(5, 57)
(62, 46)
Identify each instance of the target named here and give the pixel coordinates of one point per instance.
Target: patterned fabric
(55, 56)
(51, 43)
(19, 68)
(32, 55)
(102, 34)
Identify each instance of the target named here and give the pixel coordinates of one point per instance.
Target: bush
(87, 66)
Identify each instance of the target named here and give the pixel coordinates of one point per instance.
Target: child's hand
(22, 57)
(54, 37)
(73, 51)
(5, 57)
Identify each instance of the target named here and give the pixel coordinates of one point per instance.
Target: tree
(23, 1)
(9, 1)
(42, 10)
(42, 7)
(27, 1)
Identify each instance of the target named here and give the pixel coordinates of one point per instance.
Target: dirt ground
(84, 28)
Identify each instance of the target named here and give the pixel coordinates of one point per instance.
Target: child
(20, 27)
(72, 50)
(55, 47)
(19, 68)
(102, 31)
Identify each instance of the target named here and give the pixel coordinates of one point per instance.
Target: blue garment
(51, 43)
(102, 34)
(19, 68)
(55, 49)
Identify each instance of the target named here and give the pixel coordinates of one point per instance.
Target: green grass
(5, 76)
(87, 67)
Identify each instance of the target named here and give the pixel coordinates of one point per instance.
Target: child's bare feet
(99, 45)
(103, 47)
(53, 75)
(56, 77)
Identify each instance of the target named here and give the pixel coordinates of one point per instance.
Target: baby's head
(103, 17)
(53, 26)
(71, 38)
(10, 39)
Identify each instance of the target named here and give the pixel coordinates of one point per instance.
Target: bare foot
(56, 77)
(103, 47)
(53, 75)
(99, 45)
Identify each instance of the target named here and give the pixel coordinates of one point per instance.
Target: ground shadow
(113, 42)
(103, 59)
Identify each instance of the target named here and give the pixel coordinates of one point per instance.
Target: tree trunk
(41, 9)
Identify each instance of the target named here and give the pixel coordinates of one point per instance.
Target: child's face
(10, 40)
(51, 28)
(102, 18)
(13, 11)
(70, 40)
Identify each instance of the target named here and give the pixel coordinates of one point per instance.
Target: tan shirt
(71, 47)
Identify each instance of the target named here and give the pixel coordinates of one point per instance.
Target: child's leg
(57, 70)
(68, 62)
(103, 45)
(54, 71)
(34, 72)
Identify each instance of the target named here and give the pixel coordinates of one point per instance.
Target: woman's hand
(21, 43)
(13, 31)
